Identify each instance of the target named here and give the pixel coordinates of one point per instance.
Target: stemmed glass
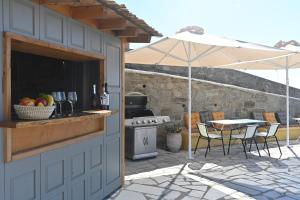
(72, 98)
(62, 100)
(57, 100)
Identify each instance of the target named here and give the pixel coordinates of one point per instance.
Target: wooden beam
(88, 12)
(141, 38)
(128, 32)
(112, 24)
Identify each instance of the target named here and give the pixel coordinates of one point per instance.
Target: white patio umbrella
(291, 61)
(201, 50)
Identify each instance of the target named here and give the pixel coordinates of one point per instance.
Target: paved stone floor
(173, 176)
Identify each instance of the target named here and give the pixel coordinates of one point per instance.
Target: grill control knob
(149, 121)
(144, 121)
(165, 120)
(155, 120)
(138, 122)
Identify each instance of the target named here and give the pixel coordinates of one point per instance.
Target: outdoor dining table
(236, 122)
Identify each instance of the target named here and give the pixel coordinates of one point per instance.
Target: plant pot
(174, 141)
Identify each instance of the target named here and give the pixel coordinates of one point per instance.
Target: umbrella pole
(287, 102)
(190, 101)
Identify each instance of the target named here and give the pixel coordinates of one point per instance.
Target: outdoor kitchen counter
(25, 138)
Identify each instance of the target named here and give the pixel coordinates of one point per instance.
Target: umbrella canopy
(206, 50)
(189, 49)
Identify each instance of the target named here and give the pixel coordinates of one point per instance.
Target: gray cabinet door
(53, 26)
(21, 16)
(22, 179)
(85, 172)
(112, 142)
(54, 174)
(77, 35)
(95, 41)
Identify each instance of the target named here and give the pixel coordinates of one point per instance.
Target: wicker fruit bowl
(34, 112)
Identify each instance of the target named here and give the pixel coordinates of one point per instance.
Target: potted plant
(174, 137)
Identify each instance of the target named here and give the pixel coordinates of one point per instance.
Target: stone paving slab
(173, 176)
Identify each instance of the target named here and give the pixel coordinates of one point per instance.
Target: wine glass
(62, 97)
(57, 99)
(72, 99)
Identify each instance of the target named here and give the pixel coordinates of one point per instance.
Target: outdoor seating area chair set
(214, 128)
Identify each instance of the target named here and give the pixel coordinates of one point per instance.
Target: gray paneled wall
(88, 170)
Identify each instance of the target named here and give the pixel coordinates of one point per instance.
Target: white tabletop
(237, 121)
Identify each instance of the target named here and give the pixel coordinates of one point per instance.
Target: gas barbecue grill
(140, 127)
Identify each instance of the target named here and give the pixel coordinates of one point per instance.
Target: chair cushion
(262, 134)
(205, 116)
(269, 117)
(195, 119)
(257, 115)
(214, 136)
(218, 115)
(238, 136)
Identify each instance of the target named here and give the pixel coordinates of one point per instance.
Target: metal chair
(271, 132)
(203, 133)
(248, 135)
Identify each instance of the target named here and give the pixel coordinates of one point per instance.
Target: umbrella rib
(167, 53)
(160, 51)
(206, 52)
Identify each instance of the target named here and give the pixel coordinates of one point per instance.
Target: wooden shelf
(85, 115)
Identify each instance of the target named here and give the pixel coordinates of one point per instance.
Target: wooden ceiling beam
(141, 38)
(128, 32)
(112, 24)
(88, 12)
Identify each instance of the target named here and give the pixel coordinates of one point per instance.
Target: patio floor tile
(173, 176)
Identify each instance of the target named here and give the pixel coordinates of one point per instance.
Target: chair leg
(223, 147)
(197, 145)
(250, 144)
(244, 149)
(229, 144)
(208, 145)
(278, 145)
(267, 146)
(257, 147)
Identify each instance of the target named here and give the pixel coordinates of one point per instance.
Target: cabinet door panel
(1, 180)
(113, 121)
(53, 26)
(22, 179)
(21, 17)
(77, 35)
(54, 174)
(95, 41)
(113, 65)
(95, 169)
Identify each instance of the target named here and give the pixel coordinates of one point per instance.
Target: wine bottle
(94, 97)
(105, 98)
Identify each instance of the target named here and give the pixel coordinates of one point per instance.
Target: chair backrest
(202, 129)
(270, 117)
(250, 131)
(281, 117)
(218, 115)
(257, 115)
(195, 118)
(273, 129)
(205, 117)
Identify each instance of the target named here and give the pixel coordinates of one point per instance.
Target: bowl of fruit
(35, 109)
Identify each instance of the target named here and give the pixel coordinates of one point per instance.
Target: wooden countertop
(85, 115)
